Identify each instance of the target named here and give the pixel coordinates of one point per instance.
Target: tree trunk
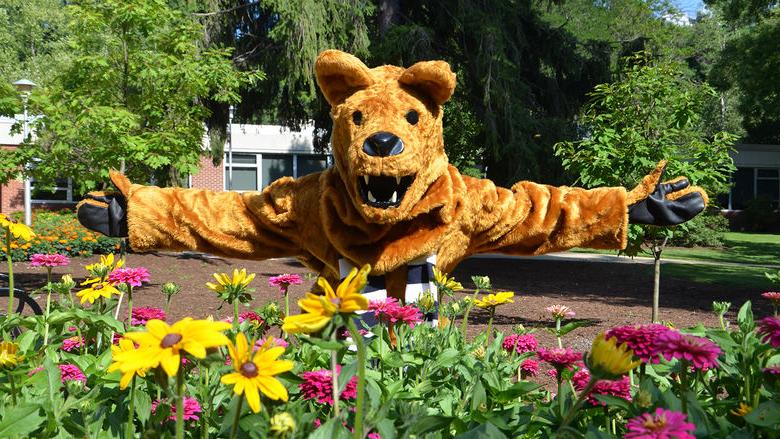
(388, 11)
(657, 250)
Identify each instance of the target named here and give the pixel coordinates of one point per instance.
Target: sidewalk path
(614, 259)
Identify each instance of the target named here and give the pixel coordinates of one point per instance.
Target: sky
(689, 7)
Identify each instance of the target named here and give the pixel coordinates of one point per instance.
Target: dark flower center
(170, 340)
(97, 287)
(249, 369)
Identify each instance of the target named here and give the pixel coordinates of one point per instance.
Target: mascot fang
(392, 200)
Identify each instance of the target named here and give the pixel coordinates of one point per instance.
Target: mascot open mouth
(384, 191)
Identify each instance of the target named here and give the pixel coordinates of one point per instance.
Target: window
(253, 172)
(61, 193)
(751, 183)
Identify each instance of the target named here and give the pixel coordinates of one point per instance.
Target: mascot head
(387, 131)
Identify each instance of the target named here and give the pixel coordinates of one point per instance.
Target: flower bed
(60, 232)
(82, 370)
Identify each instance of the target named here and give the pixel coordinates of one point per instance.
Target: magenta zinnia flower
(72, 343)
(620, 388)
(559, 357)
(640, 339)
(700, 352)
(71, 372)
(191, 409)
(530, 367)
(283, 281)
(144, 314)
(130, 276)
(380, 308)
(404, 315)
(769, 327)
(664, 424)
(318, 385)
(46, 260)
(520, 343)
(773, 370)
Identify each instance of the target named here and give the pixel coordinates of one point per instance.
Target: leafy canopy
(131, 96)
(652, 113)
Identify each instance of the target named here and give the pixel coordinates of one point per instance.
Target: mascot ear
(432, 78)
(340, 74)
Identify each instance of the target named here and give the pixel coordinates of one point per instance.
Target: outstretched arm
(534, 219)
(250, 225)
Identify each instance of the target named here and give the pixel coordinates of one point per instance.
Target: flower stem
(130, 427)
(558, 332)
(465, 325)
(573, 410)
(286, 308)
(381, 350)
(48, 307)
(361, 373)
(490, 325)
(334, 377)
(12, 382)
(399, 345)
(129, 305)
(10, 272)
(235, 315)
(684, 387)
(180, 403)
(234, 429)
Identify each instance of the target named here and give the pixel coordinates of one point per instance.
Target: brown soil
(604, 294)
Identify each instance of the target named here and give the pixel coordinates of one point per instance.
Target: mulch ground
(603, 294)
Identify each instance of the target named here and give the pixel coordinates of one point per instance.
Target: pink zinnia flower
(283, 281)
(380, 308)
(773, 369)
(520, 343)
(318, 385)
(130, 276)
(404, 315)
(664, 424)
(620, 388)
(641, 339)
(560, 311)
(144, 314)
(34, 371)
(774, 296)
(530, 368)
(276, 342)
(559, 357)
(700, 352)
(191, 409)
(71, 343)
(769, 327)
(52, 260)
(71, 372)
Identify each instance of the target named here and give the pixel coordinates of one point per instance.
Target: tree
(131, 96)
(652, 113)
(749, 63)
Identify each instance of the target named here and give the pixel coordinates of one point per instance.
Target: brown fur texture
(321, 217)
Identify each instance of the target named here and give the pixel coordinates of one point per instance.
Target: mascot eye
(357, 117)
(412, 117)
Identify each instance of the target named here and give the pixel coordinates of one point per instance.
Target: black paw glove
(105, 213)
(665, 207)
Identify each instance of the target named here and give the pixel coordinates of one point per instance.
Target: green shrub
(705, 230)
(61, 232)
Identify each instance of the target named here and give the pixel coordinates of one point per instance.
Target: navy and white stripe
(419, 279)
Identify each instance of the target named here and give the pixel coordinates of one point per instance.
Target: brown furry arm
(250, 225)
(534, 219)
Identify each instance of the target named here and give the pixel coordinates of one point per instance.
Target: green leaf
(571, 326)
(447, 358)
(484, 431)
(328, 345)
(428, 424)
(614, 401)
(346, 374)
(143, 406)
(767, 414)
(478, 396)
(333, 429)
(745, 317)
(21, 420)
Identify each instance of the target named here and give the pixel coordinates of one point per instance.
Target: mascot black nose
(383, 144)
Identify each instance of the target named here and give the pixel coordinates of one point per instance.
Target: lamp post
(231, 112)
(25, 87)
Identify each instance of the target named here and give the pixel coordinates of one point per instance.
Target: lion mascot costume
(391, 199)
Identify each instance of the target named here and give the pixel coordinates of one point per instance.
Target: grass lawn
(729, 276)
(747, 248)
